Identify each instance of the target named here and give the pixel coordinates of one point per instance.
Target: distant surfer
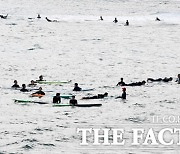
(157, 19)
(40, 78)
(32, 84)
(178, 79)
(99, 96)
(160, 79)
(57, 98)
(76, 87)
(15, 84)
(121, 83)
(127, 23)
(39, 92)
(101, 18)
(51, 20)
(38, 16)
(115, 20)
(73, 101)
(24, 88)
(123, 96)
(4, 17)
(136, 83)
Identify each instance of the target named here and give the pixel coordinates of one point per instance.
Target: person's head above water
(40, 77)
(23, 85)
(57, 94)
(76, 84)
(105, 94)
(178, 75)
(40, 88)
(73, 97)
(143, 82)
(121, 79)
(15, 81)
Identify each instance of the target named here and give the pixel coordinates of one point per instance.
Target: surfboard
(29, 101)
(53, 82)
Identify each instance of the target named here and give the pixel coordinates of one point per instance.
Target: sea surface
(95, 54)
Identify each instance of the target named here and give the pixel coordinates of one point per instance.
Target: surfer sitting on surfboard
(40, 78)
(127, 23)
(178, 79)
(24, 88)
(121, 83)
(115, 20)
(15, 84)
(123, 96)
(99, 96)
(57, 98)
(160, 79)
(39, 92)
(32, 84)
(76, 87)
(73, 101)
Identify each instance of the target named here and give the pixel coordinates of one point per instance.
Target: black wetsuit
(39, 92)
(56, 99)
(73, 102)
(24, 90)
(77, 88)
(121, 83)
(15, 86)
(99, 96)
(159, 79)
(135, 84)
(123, 96)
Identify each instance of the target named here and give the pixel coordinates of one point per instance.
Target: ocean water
(94, 53)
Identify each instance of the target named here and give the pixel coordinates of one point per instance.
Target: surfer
(76, 87)
(40, 78)
(101, 18)
(136, 83)
(160, 79)
(57, 98)
(32, 84)
(121, 83)
(127, 23)
(178, 79)
(115, 20)
(73, 101)
(99, 96)
(39, 92)
(123, 96)
(38, 16)
(51, 20)
(157, 19)
(24, 88)
(4, 17)
(15, 84)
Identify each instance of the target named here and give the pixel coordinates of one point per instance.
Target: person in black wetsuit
(4, 17)
(127, 23)
(57, 98)
(157, 19)
(24, 88)
(123, 96)
(160, 79)
(73, 101)
(51, 20)
(76, 87)
(40, 78)
(115, 20)
(121, 83)
(178, 79)
(32, 84)
(38, 16)
(40, 92)
(101, 18)
(136, 83)
(99, 96)
(15, 84)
